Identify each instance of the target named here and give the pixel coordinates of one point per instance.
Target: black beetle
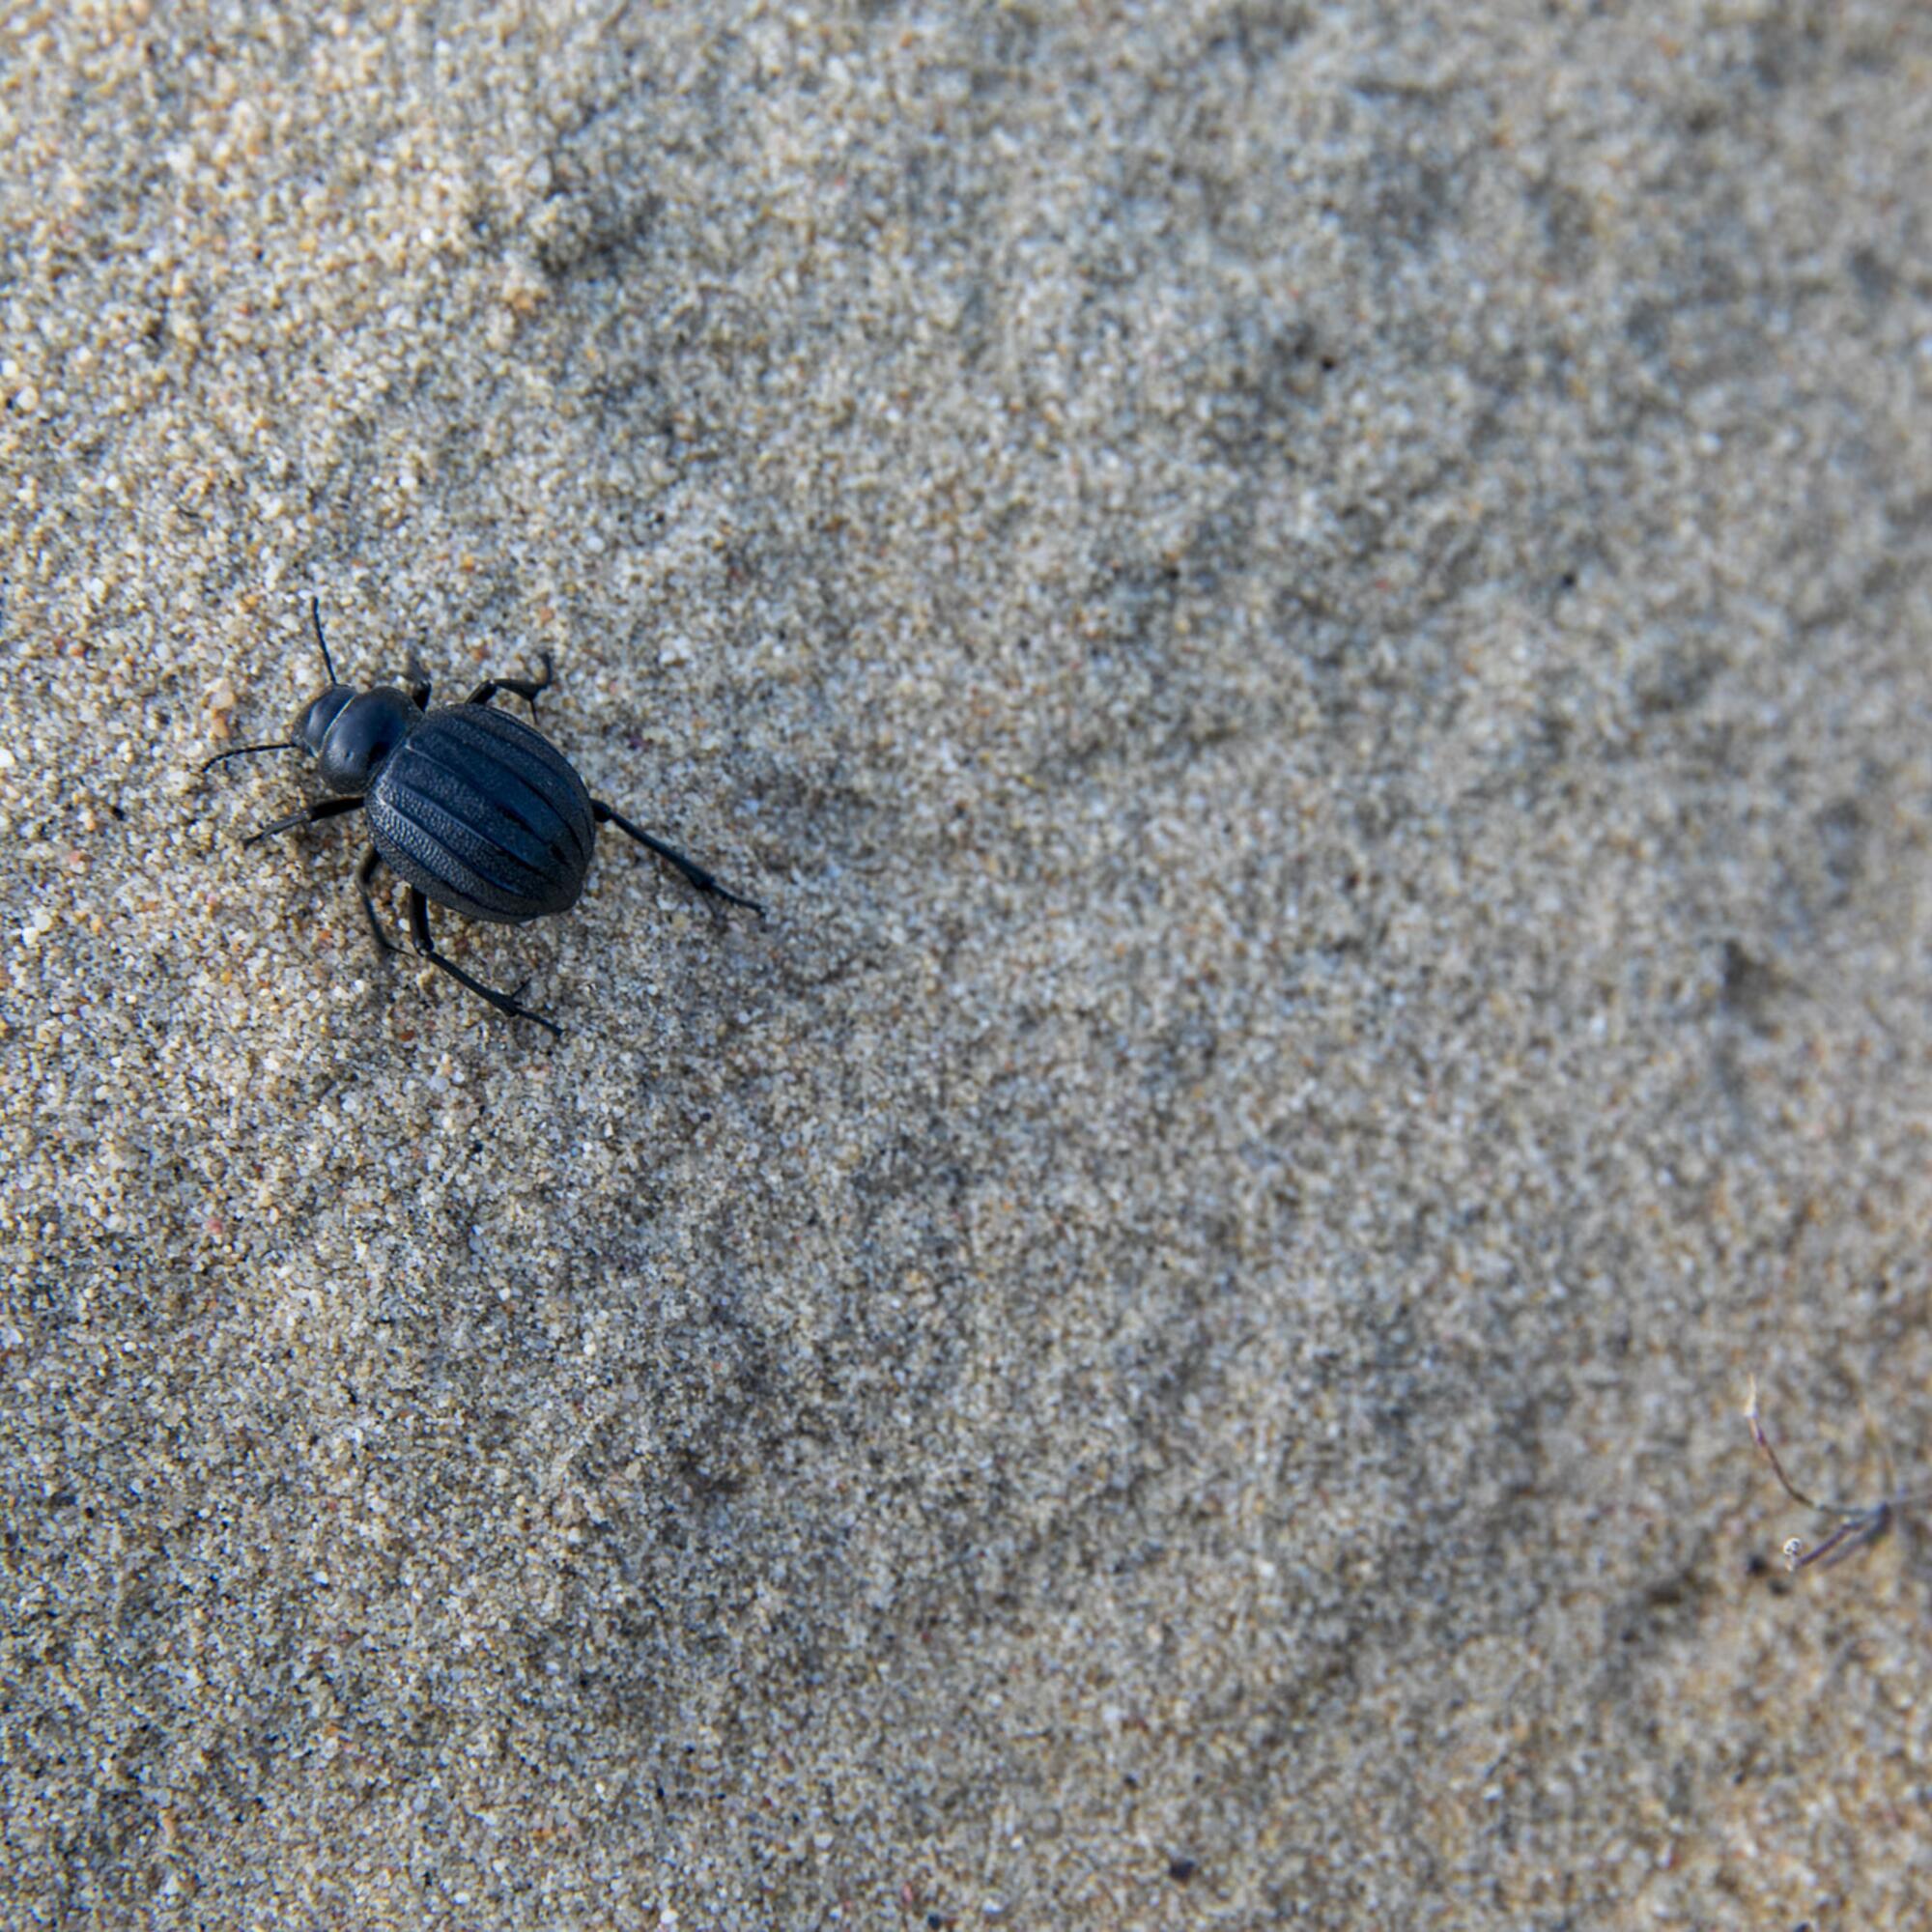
(466, 804)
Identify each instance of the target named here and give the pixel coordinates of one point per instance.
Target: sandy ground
(1314, 622)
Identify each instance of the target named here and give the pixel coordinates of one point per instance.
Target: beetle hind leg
(690, 867)
(504, 1003)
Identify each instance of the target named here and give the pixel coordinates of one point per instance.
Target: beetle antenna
(315, 612)
(249, 751)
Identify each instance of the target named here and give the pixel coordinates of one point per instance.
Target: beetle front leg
(312, 815)
(525, 688)
(415, 681)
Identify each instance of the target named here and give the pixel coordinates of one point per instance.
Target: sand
(1314, 625)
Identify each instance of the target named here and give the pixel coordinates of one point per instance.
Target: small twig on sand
(1858, 1526)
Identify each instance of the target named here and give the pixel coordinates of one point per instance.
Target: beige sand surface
(1315, 622)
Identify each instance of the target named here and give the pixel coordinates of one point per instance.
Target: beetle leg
(311, 814)
(504, 1003)
(364, 873)
(690, 867)
(525, 688)
(416, 682)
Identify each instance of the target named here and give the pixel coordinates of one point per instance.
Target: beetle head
(312, 726)
(350, 734)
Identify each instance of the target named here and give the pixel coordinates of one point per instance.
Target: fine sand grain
(1316, 623)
